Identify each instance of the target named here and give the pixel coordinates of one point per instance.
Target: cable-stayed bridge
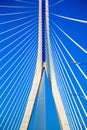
(38, 37)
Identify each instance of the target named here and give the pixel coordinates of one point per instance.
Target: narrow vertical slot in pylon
(44, 33)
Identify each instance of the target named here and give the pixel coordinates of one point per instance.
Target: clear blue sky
(75, 9)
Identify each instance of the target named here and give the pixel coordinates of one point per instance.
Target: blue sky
(68, 22)
(44, 113)
(68, 43)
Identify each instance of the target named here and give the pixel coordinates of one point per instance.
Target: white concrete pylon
(56, 94)
(37, 77)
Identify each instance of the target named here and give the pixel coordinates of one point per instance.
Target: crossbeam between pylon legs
(44, 65)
